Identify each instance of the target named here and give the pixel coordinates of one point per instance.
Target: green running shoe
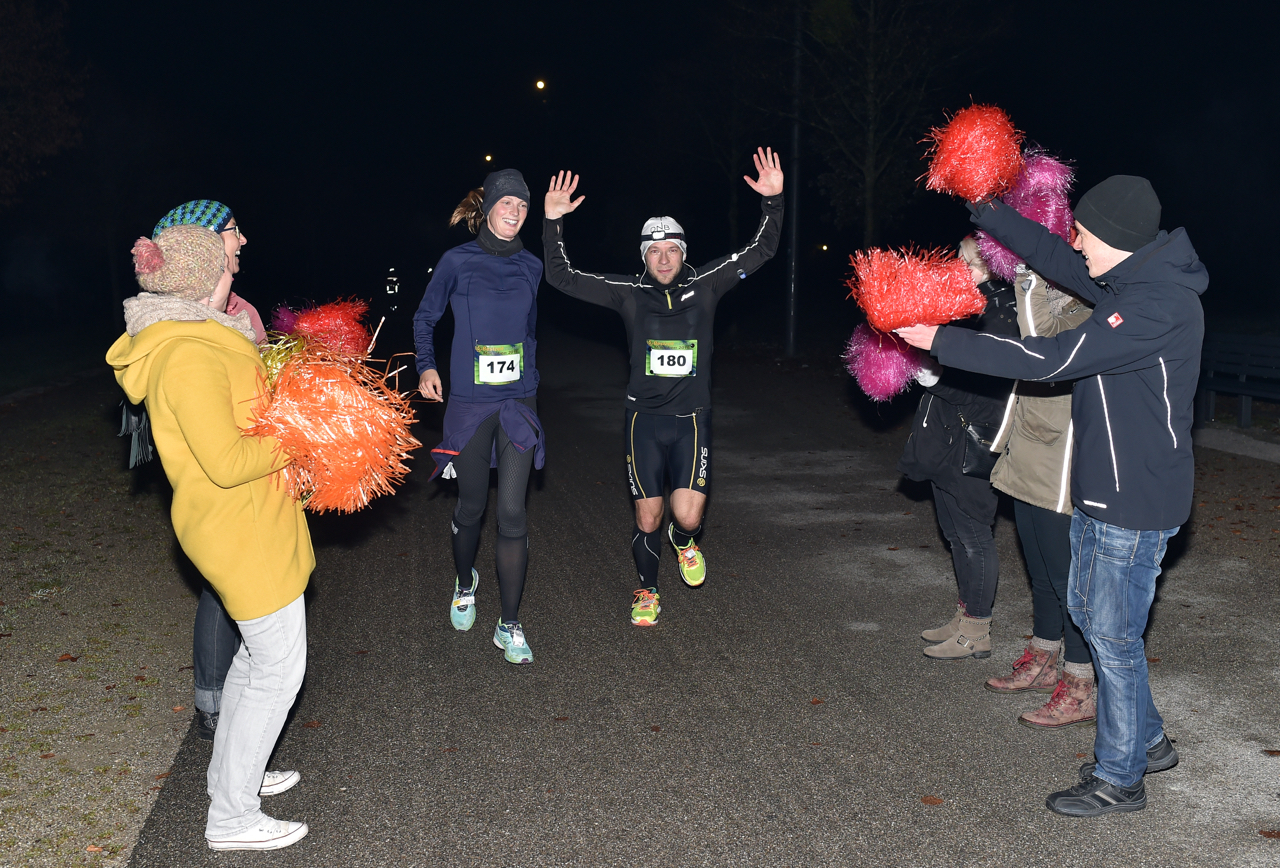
(693, 569)
(645, 609)
(509, 636)
(462, 611)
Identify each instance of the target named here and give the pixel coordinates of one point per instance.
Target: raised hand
(769, 167)
(560, 201)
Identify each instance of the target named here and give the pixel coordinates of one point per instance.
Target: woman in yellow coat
(200, 375)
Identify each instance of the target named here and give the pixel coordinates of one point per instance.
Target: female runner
(492, 416)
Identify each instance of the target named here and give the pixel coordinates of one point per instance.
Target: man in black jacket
(669, 313)
(1137, 360)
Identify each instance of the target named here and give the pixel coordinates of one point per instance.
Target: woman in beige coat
(1035, 469)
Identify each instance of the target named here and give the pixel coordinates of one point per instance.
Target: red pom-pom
(884, 365)
(977, 155)
(148, 258)
(928, 287)
(337, 326)
(344, 427)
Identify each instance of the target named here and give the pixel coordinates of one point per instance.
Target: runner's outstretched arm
(723, 274)
(602, 289)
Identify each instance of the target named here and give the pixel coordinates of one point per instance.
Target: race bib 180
(499, 363)
(672, 359)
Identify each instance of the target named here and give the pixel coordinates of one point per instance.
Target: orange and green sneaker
(645, 609)
(693, 568)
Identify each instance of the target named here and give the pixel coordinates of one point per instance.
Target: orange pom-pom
(977, 155)
(345, 429)
(337, 325)
(928, 287)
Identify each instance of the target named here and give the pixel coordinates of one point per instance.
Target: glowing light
(824, 247)
(488, 158)
(541, 84)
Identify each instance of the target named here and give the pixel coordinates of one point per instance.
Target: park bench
(1247, 366)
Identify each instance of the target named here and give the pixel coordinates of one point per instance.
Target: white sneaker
(270, 834)
(275, 783)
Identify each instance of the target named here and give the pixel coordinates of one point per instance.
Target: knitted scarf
(148, 308)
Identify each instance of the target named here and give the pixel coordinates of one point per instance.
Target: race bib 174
(499, 363)
(671, 359)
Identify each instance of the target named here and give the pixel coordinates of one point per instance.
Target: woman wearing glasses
(491, 419)
(215, 639)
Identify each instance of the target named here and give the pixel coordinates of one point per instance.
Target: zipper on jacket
(668, 299)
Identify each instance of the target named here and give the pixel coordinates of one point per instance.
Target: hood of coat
(1170, 259)
(133, 357)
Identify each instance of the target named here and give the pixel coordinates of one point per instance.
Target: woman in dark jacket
(935, 451)
(492, 416)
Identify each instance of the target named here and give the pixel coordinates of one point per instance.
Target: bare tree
(876, 71)
(38, 91)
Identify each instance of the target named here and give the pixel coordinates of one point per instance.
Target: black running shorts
(661, 449)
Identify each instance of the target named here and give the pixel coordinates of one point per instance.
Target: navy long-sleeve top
(495, 312)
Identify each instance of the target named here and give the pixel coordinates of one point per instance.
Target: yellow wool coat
(201, 382)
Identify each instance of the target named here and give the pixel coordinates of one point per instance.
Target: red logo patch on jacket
(1115, 319)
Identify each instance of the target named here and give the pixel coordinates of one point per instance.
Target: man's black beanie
(1122, 212)
(506, 182)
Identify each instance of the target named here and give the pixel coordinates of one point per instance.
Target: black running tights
(472, 467)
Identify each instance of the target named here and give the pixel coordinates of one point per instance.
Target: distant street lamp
(488, 158)
(541, 84)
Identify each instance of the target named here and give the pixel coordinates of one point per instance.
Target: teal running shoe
(509, 636)
(462, 611)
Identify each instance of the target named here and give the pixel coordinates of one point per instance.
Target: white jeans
(263, 682)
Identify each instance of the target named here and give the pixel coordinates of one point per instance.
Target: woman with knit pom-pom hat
(1136, 363)
(199, 372)
(940, 452)
(492, 416)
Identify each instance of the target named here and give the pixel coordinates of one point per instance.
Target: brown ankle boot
(947, 630)
(1074, 703)
(1036, 669)
(973, 640)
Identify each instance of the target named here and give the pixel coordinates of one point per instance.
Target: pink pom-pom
(284, 320)
(977, 155)
(883, 365)
(147, 256)
(929, 287)
(1040, 194)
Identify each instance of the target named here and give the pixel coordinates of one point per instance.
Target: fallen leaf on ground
(562, 718)
(139, 678)
(931, 800)
(161, 777)
(1272, 752)
(1269, 833)
(184, 668)
(656, 728)
(312, 724)
(816, 743)
(1153, 659)
(448, 750)
(92, 848)
(46, 756)
(67, 658)
(362, 652)
(816, 701)
(1081, 755)
(893, 548)
(179, 708)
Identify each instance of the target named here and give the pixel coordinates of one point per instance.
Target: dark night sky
(343, 135)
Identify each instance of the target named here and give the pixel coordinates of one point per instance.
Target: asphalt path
(780, 715)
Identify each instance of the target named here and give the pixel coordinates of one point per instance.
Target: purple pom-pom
(883, 364)
(284, 320)
(1039, 194)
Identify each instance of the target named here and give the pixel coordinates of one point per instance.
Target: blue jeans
(214, 643)
(264, 679)
(1109, 594)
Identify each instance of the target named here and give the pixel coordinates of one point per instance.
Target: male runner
(669, 312)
